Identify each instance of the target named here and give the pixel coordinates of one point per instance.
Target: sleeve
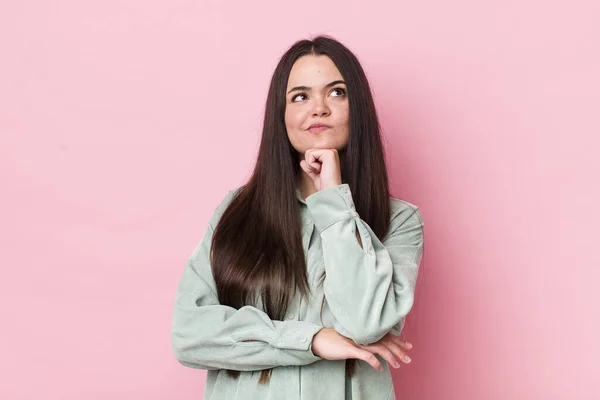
(207, 335)
(369, 289)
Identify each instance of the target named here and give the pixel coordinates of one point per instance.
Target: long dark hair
(256, 250)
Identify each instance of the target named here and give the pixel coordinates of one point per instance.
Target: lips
(314, 128)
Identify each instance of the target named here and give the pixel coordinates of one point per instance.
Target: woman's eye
(340, 90)
(296, 96)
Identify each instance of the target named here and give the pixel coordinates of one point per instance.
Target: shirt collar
(299, 196)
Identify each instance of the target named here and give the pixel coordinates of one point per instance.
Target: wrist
(330, 185)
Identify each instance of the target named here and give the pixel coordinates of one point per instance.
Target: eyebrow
(308, 88)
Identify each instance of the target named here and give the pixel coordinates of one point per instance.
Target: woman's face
(316, 93)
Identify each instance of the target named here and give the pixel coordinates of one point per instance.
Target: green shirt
(368, 290)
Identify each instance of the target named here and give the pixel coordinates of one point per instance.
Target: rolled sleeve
(295, 335)
(370, 286)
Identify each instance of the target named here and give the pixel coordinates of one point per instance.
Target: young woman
(301, 283)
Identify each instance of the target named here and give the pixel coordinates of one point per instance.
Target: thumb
(368, 357)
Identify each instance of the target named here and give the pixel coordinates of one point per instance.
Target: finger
(315, 167)
(303, 166)
(314, 156)
(320, 154)
(398, 352)
(404, 343)
(313, 164)
(309, 171)
(384, 352)
(368, 357)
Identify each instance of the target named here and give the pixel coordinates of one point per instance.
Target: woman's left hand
(391, 348)
(323, 167)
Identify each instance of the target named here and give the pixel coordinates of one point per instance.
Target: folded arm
(208, 335)
(369, 285)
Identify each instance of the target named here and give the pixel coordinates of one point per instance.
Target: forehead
(313, 71)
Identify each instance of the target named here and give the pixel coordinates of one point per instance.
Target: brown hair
(256, 249)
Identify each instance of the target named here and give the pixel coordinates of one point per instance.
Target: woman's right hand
(331, 345)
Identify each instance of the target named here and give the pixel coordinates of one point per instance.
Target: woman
(301, 283)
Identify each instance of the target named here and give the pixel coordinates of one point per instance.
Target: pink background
(124, 123)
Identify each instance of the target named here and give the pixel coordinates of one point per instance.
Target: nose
(320, 107)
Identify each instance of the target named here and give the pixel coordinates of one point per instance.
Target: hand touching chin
(323, 167)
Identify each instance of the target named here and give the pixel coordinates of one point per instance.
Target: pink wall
(123, 123)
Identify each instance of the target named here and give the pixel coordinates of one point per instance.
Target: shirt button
(309, 221)
(291, 316)
(303, 340)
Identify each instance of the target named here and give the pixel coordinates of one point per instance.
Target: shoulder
(225, 200)
(405, 214)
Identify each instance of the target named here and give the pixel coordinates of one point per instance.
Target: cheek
(343, 114)
(294, 119)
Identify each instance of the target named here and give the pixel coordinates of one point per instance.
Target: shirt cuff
(295, 335)
(328, 206)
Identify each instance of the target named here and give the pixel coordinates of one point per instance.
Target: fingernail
(407, 358)
(409, 345)
(396, 365)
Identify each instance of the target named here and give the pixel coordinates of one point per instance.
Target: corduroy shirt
(368, 292)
